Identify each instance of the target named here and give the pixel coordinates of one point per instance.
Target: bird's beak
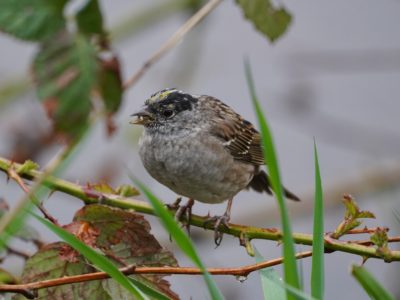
(142, 117)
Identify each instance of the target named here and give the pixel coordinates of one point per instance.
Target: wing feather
(238, 135)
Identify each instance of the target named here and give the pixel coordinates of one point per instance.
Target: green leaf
(317, 271)
(99, 260)
(90, 19)
(351, 216)
(380, 237)
(27, 166)
(65, 72)
(268, 19)
(179, 236)
(127, 190)
(32, 20)
(111, 84)
(270, 279)
(290, 265)
(373, 288)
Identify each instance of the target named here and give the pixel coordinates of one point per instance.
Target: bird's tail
(260, 183)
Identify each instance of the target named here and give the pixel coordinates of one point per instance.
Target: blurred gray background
(334, 76)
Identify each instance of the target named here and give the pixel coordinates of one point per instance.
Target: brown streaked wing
(239, 136)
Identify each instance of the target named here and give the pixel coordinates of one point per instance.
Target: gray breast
(194, 166)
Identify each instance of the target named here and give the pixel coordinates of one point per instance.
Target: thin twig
(129, 270)
(52, 165)
(12, 173)
(173, 40)
(91, 196)
(363, 230)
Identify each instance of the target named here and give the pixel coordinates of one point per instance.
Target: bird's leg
(174, 205)
(220, 220)
(185, 210)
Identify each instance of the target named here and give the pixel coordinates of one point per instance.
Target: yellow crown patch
(161, 95)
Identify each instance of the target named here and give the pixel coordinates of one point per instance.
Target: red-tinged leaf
(47, 263)
(111, 90)
(125, 237)
(122, 236)
(65, 71)
(83, 231)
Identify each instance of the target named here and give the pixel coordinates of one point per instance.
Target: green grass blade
(179, 236)
(317, 271)
(373, 288)
(290, 267)
(273, 287)
(152, 293)
(269, 278)
(97, 259)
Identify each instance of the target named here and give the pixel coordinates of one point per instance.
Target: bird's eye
(168, 113)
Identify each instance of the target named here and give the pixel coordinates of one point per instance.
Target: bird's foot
(175, 205)
(183, 213)
(219, 222)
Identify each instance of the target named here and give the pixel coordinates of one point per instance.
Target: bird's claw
(218, 221)
(183, 211)
(175, 205)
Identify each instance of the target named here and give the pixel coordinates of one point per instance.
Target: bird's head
(164, 107)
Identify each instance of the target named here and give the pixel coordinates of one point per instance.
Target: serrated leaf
(96, 258)
(124, 236)
(351, 207)
(65, 72)
(101, 187)
(366, 215)
(373, 288)
(270, 20)
(127, 190)
(47, 264)
(380, 237)
(27, 166)
(90, 19)
(351, 216)
(32, 20)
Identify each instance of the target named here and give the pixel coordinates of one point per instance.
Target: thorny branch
(173, 40)
(12, 173)
(29, 290)
(244, 233)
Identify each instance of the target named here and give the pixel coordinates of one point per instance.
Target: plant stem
(90, 196)
(29, 289)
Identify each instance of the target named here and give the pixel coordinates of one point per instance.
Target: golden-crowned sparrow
(200, 148)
